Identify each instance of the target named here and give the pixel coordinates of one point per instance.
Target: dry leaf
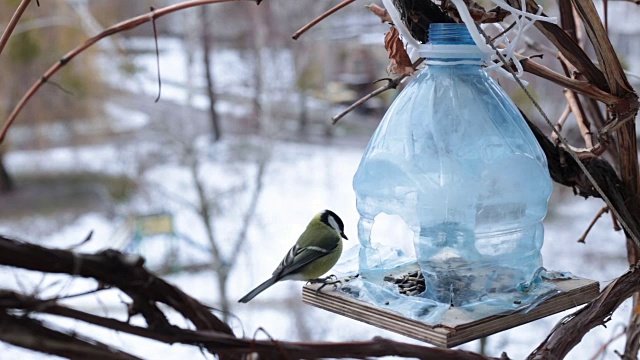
(399, 62)
(380, 12)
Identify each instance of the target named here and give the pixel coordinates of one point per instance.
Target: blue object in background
(457, 162)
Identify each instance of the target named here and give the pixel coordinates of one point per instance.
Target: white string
(523, 11)
(504, 38)
(463, 11)
(509, 51)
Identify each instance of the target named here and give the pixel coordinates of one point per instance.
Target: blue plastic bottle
(456, 161)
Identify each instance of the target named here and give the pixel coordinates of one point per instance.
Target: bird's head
(330, 218)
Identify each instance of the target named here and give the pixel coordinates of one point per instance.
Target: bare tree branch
(325, 15)
(581, 118)
(32, 334)
(113, 268)
(575, 104)
(251, 209)
(568, 46)
(205, 41)
(581, 87)
(391, 84)
(125, 274)
(570, 330)
(122, 26)
(560, 124)
(605, 52)
(603, 348)
(230, 346)
(583, 238)
(12, 24)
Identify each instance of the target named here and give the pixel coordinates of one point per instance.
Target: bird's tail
(260, 288)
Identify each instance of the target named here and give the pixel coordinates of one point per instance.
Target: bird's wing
(297, 257)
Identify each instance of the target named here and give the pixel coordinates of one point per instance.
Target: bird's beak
(344, 236)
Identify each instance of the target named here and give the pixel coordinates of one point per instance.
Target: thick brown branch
(623, 116)
(567, 21)
(32, 334)
(565, 171)
(607, 58)
(581, 87)
(268, 349)
(625, 111)
(113, 268)
(228, 345)
(12, 300)
(570, 330)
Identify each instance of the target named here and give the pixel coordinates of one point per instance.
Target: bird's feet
(329, 280)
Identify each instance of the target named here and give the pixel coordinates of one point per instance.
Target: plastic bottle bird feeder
(455, 160)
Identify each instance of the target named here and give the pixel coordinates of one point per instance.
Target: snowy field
(299, 181)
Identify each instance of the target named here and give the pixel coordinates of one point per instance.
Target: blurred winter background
(94, 152)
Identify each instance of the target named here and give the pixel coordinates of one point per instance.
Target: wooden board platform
(454, 330)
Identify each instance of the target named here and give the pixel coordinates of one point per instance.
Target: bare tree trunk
(206, 59)
(191, 45)
(6, 182)
(483, 345)
(256, 113)
(225, 308)
(218, 265)
(303, 119)
(328, 72)
(259, 45)
(221, 264)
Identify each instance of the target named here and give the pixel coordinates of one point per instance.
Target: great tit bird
(318, 248)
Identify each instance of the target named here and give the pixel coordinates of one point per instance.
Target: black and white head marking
(332, 219)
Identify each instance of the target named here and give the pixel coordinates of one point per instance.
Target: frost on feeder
(455, 160)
